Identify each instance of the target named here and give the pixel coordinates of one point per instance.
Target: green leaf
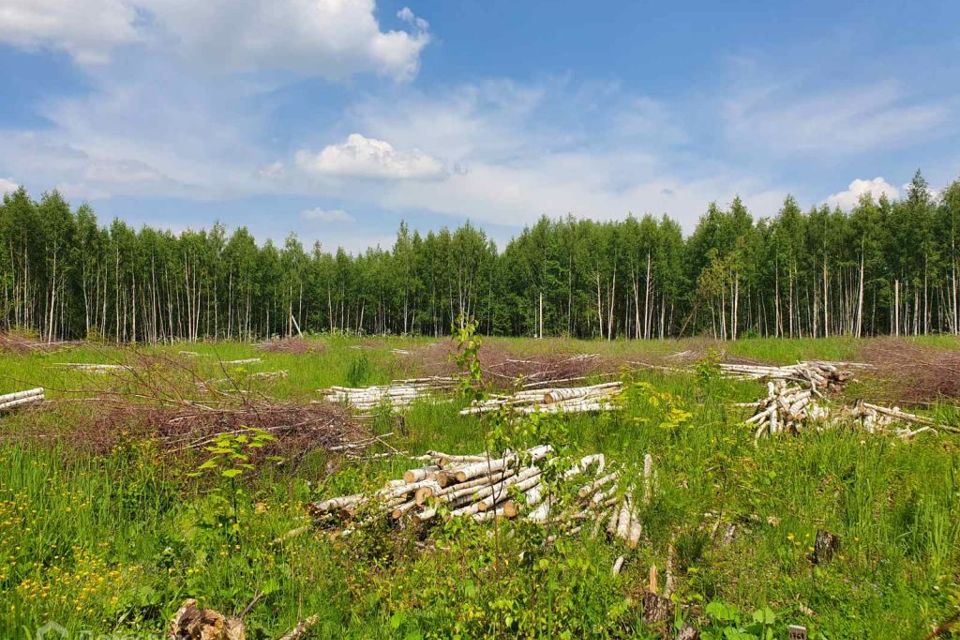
(396, 620)
(231, 473)
(764, 616)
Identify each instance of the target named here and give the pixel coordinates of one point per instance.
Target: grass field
(113, 541)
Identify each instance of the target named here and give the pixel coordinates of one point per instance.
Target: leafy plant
(230, 459)
(728, 624)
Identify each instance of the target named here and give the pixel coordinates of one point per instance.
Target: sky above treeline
(337, 119)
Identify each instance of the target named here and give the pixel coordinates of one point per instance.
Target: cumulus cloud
(86, 29)
(330, 38)
(362, 157)
(326, 215)
(7, 185)
(848, 199)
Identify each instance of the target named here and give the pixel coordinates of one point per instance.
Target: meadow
(110, 540)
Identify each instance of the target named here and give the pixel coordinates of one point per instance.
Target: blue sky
(337, 119)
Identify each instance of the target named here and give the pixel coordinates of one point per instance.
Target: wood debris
(785, 408)
(793, 407)
(192, 623)
(397, 394)
(243, 361)
(819, 375)
(93, 367)
(19, 399)
(875, 418)
(486, 488)
(598, 397)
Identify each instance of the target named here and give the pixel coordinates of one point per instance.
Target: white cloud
(848, 199)
(86, 29)
(362, 157)
(326, 215)
(7, 185)
(329, 38)
(406, 14)
(849, 121)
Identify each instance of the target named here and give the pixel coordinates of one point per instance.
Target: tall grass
(115, 542)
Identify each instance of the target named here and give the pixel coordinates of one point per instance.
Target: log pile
(243, 361)
(785, 408)
(397, 394)
(875, 418)
(511, 486)
(791, 408)
(19, 399)
(93, 367)
(598, 397)
(818, 375)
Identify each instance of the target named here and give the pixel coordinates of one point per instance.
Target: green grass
(114, 543)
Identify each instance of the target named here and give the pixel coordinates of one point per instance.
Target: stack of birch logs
(790, 407)
(19, 399)
(510, 486)
(92, 367)
(818, 375)
(598, 397)
(786, 408)
(397, 394)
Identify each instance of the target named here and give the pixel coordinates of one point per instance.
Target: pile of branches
(11, 401)
(818, 375)
(297, 428)
(397, 394)
(169, 401)
(914, 373)
(296, 346)
(21, 344)
(503, 368)
(538, 371)
(598, 397)
(484, 488)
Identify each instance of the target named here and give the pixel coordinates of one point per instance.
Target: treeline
(886, 267)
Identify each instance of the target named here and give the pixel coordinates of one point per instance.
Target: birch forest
(885, 267)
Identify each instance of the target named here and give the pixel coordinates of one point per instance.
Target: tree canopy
(885, 267)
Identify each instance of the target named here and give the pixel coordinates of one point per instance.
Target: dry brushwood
(302, 628)
(11, 401)
(397, 394)
(504, 369)
(298, 346)
(168, 401)
(21, 344)
(912, 373)
(486, 488)
(598, 397)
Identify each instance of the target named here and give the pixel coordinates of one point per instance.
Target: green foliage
(467, 359)
(359, 371)
(788, 273)
(231, 457)
(728, 624)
